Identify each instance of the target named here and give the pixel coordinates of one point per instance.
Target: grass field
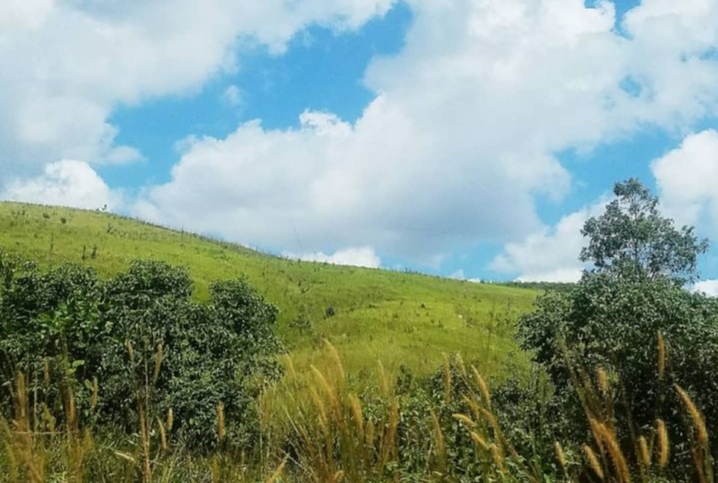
(345, 418)
(380, 315)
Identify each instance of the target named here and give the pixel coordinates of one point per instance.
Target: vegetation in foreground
(449, 428)
(622, 388)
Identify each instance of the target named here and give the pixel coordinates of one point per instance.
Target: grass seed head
(130, 351)
(95, 390)
(560, 454)
(277, 473)
(663, 444)
(603, 381)
(357, 414)
(125, 456)
(465, 420)
(643, 452)
(337, 360)
(370, 430)
(220, 422)
(460, 364)
(614, 450)
(483, 387)
(698, 423)
(593, 461)
(479, 441)
(498, 456)
(661, 355)
(158, 363)
(163, 435)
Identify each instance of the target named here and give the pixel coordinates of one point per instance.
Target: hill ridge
(397, 317)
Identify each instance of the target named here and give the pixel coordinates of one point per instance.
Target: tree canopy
(632, 302)
(138, 333)
(632, 239)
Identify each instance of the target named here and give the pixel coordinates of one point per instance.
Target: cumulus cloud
(551, 254)
(458, 143)
(67, 64)
(686, 178)
(462, 135)
(357, 257)
(64, 183)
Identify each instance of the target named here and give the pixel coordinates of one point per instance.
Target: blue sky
(321, 70)
(466, 139)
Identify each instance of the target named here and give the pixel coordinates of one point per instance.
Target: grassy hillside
(394, 317)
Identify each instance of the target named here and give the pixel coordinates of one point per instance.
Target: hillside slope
(397, 318)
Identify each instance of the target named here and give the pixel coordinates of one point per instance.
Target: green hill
(398, 318)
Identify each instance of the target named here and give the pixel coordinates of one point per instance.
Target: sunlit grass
(398, 318)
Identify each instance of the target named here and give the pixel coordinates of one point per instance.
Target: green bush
(614, 317)
(614, 324)
(146, 343)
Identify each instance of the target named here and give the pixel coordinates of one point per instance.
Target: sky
(463, 138)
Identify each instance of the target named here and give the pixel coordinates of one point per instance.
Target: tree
(632, 239)
(612, 318)
(185, 356)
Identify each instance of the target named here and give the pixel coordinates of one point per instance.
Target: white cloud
(708, 287)
(64, 183)
(551, 254)
(462, 134)
(460, 275)
(233, 96)
(459, 141)
(357, 257)
(65, 65)
(687, 180)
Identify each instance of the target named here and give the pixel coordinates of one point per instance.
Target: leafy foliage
(143, 339)
(614, 317)
(632, 239)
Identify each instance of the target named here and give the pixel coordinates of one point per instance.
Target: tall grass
(317, 427)
(35, 449)
(328, 434)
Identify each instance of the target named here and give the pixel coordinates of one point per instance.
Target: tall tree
(612, 318)
(631, 239)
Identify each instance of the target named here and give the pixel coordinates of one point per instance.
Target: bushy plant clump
(135, 341)
(632, 315)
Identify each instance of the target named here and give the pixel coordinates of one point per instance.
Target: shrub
(625, 315)
(139, 334)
